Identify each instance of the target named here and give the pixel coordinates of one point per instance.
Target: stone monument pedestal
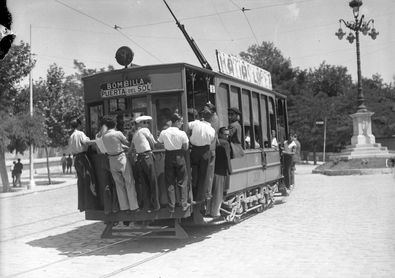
(363, 142)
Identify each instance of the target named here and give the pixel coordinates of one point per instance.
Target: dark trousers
(86, 184)
(146, 177)
(176, 178)
(200, 159)
(288, 170)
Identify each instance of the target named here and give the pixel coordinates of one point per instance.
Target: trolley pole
(32, 184)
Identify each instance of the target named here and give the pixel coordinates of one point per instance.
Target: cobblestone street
(330, 226)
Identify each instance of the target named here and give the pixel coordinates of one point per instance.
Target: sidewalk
(58, 180)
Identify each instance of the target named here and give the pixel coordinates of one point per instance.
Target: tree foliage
(326, 92)
(270, 58)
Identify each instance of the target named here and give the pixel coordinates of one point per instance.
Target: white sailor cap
(143, 118)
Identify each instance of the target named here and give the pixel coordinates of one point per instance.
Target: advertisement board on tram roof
(238, 68)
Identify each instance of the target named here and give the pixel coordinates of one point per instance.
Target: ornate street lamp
(358, 25)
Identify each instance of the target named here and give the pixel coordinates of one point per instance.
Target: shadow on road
(86, 241)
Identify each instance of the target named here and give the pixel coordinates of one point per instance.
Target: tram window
(234, 97)
(117, 104)
(247, 139)
(246, 115)
(256, 121)
(165, 106)
(222, 105)
(281, 120)
(272, 118)
(264, 119)
(246, 112)
(197, 92)
(95, 116)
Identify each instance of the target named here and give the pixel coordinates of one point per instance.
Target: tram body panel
(254, 169)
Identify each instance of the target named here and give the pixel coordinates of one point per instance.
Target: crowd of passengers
(209, 146)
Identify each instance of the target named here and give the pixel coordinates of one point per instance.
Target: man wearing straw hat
(145, 175)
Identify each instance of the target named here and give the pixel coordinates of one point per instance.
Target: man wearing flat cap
(235, 132)
(145, 175)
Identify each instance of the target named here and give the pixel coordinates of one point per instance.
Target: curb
(345, 172)
(26, 191)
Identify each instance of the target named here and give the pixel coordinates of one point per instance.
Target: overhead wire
(243, 10)
(109, 26)
(221, 20)
(211, 14)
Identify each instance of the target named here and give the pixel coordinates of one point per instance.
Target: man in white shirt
(145, 175)
(114, 141)
(176, 144)
(288, 155)
(274, 143)
(202, 135)
(86, 182)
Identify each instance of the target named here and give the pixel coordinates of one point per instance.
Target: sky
(303, 30)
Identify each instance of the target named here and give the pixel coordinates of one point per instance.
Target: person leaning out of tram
(145, 176)
(115, 144)
(223, 169)
(175, 142)
(235, 133)
(86, 183)
(201, 136)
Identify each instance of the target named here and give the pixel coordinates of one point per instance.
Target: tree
(270, 58)
(380, 99)
(13, 68)
(319, 94)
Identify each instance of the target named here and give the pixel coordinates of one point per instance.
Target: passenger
(274, 140)
(114, 141)
(192, 114)
(86, 182)
(145, 175)
(247, 141)
(288, 154)
(223, 169)
(107, 189)
(176, 145)
(235, 133)
(297, 149)
(201, 137)
(214, 121)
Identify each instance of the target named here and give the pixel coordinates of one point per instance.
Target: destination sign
(236, 67)
(125, 88)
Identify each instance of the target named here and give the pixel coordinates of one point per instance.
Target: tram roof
(185, 65)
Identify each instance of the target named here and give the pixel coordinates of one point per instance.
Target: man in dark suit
(223, 169)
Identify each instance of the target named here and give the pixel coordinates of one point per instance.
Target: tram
(159, 91)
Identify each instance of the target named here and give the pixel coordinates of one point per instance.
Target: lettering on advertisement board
(236, 67)
(125, 88)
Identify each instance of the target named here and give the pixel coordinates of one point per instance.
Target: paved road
(341, 226)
